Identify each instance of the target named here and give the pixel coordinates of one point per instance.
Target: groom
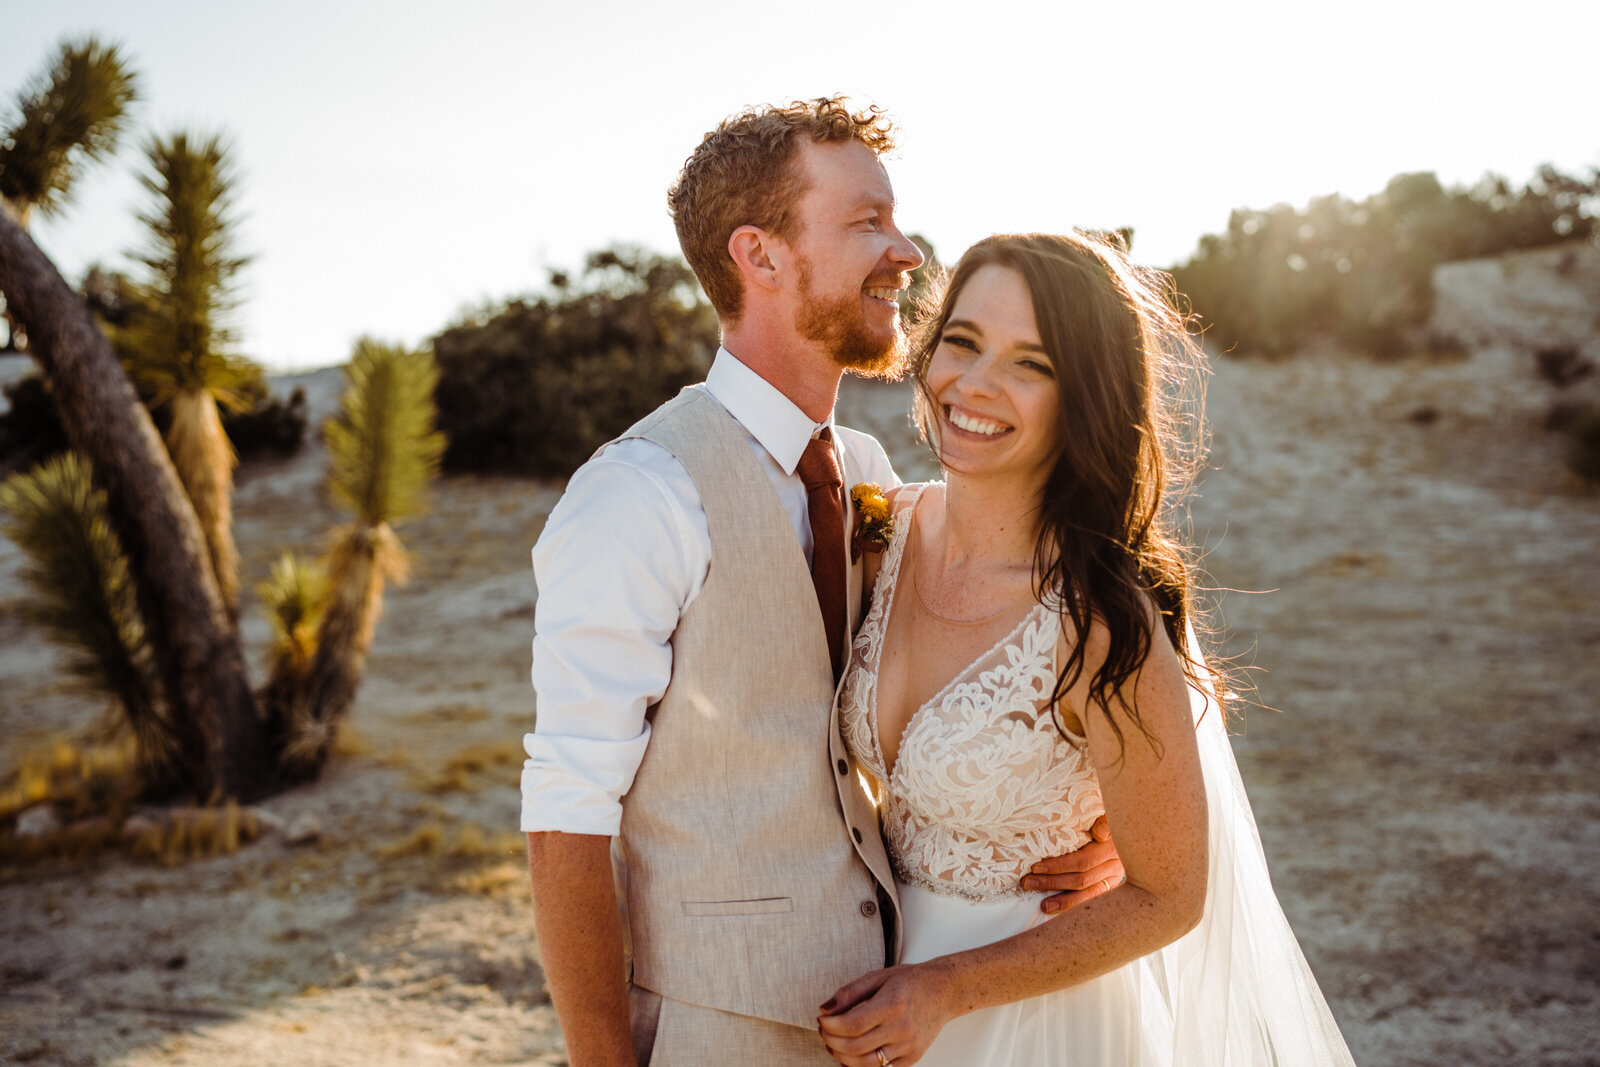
(696, 598)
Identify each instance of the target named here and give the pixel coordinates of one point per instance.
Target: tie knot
(818, 468)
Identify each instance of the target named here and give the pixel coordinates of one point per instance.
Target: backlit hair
(1127, 373)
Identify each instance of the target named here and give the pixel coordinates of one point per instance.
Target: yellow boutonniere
(874, 519)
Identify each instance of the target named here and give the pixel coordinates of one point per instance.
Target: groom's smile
(852, 261)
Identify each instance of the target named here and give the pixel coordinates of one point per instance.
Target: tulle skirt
(1100, 1022)
(1235, 991)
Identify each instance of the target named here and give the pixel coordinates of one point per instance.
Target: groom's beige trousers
(750, 857)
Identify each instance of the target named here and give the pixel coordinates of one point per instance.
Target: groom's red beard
(840, 327)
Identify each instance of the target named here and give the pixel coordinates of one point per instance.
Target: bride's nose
(978, 379)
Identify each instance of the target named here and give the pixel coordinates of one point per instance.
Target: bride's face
(998, 410)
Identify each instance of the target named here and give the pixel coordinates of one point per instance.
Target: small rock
(95, 826)
(303, 828)
(1563, 365)
(268, 821)
(38, 821)
(135, 826)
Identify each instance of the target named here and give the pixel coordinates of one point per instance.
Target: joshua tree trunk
(362, 560)
(221, 734)
(204, 460)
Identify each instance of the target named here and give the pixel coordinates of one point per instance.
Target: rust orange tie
(819, 470)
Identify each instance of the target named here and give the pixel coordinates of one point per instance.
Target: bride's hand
(899, 1010)
(1078, 877)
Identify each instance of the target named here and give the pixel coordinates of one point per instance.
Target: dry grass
(476, 765)
(471, 861)
(91, 789)
(193, 833)
(461, 714)
(78, 779)
(503, 881)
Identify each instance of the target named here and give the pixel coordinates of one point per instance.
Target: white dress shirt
(623, 555)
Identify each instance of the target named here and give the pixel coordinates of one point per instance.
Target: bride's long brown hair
(1131, 434)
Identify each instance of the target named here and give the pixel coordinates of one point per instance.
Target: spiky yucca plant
(294, 595)
(83, 596)
(71, 114)
(74, 113)
(176, 342)
(382, 452)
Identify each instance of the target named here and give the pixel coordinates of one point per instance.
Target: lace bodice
(984, 785)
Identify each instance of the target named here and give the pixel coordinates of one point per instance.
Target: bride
(1029, 664)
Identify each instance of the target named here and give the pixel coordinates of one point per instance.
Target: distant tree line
(1362, 271)
(536, 384)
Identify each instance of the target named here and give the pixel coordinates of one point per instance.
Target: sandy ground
(1420, 576)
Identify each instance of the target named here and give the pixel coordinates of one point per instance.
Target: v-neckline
(892, 597)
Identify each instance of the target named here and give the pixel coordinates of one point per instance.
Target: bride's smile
(994, 383)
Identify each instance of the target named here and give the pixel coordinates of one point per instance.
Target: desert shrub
(30, 429)
(269, 427)
(1363, 271)
(265, 426)
(1583, 442)
(535, 386)
(1562, 365)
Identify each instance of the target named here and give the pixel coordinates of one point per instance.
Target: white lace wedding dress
(984, 786)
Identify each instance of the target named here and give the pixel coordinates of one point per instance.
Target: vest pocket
(763, 906)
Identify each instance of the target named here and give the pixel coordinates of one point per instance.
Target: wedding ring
(884, 1061)
(1107, 883)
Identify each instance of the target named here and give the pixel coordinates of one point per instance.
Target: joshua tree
(221, 739)
(383, 451)
(175, 661)
(176, 341)
(71, 114)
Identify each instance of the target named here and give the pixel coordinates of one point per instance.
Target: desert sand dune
(1428, 785)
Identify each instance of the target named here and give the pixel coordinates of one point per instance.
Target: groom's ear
(757, 255)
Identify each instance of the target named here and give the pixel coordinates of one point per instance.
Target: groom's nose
(904, 253)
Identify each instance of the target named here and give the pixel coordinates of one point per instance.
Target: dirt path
(1428, 789)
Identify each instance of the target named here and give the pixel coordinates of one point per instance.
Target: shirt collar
(771, 418)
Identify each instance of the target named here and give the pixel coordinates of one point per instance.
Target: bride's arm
(1155, 802)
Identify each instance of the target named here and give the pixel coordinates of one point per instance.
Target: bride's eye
(959, 341)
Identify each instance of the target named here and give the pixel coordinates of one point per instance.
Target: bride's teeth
(971, 425)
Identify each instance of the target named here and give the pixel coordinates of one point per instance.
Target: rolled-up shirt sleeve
(616, 565)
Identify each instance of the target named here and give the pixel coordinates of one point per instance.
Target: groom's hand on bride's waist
(1092, 871)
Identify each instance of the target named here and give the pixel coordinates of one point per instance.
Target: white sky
(404, 159)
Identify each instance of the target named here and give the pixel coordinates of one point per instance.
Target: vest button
(853, 831)
(844, 768)
(869, 908)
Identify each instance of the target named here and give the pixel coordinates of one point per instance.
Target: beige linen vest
(749, 846)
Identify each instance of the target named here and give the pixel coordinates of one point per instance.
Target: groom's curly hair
(743, 174)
